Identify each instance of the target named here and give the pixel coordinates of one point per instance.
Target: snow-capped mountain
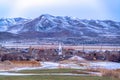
(5, 23)
(49, 26)
(49, 23)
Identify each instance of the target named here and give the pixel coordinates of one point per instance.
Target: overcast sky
(83, 9)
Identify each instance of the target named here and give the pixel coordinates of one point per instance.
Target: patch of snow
(13, 31)
(10, 20)
(16, 30)
(49, 65)
(77, 58)
(107, 65)
(106, 26)
(13, 74)
(71, 66)
(3, 28)
(25, 68)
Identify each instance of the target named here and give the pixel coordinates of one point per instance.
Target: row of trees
(52, 54)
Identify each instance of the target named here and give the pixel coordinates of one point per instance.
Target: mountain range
(66, 29)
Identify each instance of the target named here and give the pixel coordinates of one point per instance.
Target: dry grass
(106, 72)
(117, 70)
(93, 69)
(111, 73)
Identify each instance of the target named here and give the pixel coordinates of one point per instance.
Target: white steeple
(60, 49)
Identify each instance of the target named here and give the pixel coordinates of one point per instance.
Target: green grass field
(53, 77)
(48, 71)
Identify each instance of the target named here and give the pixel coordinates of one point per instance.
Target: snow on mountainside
(5, 23)
(56, 26)
(49, 23)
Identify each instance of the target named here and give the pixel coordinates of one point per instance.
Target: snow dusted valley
(61, 45)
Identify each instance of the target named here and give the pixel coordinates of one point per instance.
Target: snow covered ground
(57, 65)
(14, 74)
(49, 65)
(106, 65)
(74, 62)
(53, 65)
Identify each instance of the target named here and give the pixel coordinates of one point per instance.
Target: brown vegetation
(111, 73)
(106, 72)
(7, 65)
(25, 63)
